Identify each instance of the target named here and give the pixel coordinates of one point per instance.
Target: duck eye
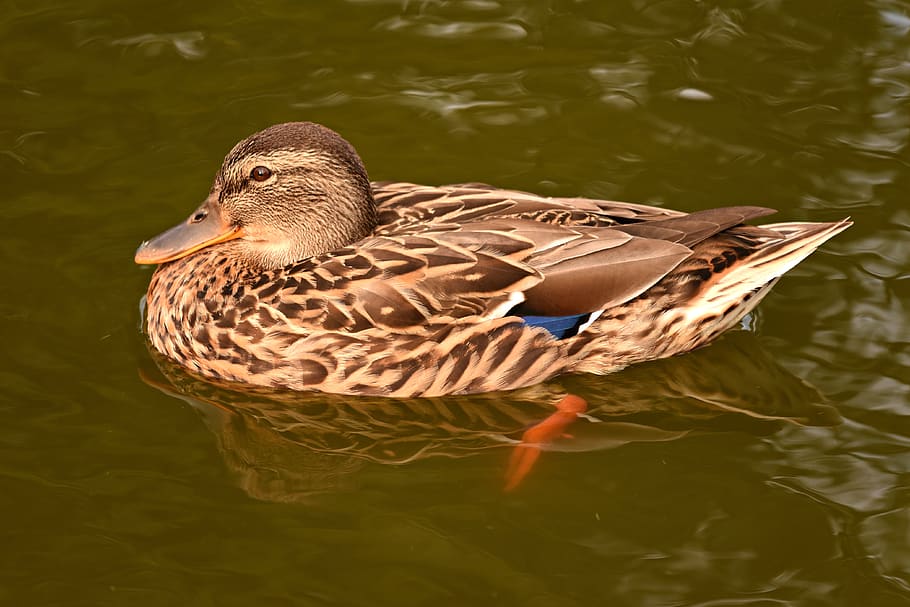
(260, 173)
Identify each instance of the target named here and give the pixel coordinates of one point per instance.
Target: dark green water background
(772, 468)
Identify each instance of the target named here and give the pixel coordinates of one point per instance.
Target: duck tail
(729, 296)
(709, 293)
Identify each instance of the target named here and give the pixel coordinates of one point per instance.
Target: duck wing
(488, 268)
(406, 208)
(591, 269)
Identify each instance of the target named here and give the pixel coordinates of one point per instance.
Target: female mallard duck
(297, 272)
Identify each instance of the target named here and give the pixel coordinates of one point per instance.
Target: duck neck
(329, 223)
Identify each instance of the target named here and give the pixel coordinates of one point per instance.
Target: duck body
(328, 282)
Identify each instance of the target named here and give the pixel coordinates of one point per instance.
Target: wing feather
(443, 253)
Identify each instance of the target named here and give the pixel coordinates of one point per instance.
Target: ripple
(454, 30)
(877, 534)
(884, 255)
(187, 44)
(623, 82)
(693, 94)
(897, 22)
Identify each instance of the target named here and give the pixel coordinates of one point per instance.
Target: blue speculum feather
(559, 326)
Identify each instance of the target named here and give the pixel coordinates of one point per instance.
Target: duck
(298, 273)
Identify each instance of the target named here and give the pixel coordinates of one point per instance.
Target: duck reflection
(288, 446)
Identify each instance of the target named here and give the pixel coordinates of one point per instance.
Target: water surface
(768, 469)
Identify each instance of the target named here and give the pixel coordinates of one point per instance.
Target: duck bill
(203, 228)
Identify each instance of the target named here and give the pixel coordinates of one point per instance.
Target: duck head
(288, 192)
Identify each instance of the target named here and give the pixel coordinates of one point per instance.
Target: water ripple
(188, 45)
(456, 30)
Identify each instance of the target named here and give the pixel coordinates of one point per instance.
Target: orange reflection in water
(553, 427)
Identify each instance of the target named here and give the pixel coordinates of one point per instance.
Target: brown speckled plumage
(430, 301)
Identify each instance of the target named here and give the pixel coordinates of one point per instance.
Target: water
(770, 468)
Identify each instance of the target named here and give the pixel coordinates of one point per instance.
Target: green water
(772, 468)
